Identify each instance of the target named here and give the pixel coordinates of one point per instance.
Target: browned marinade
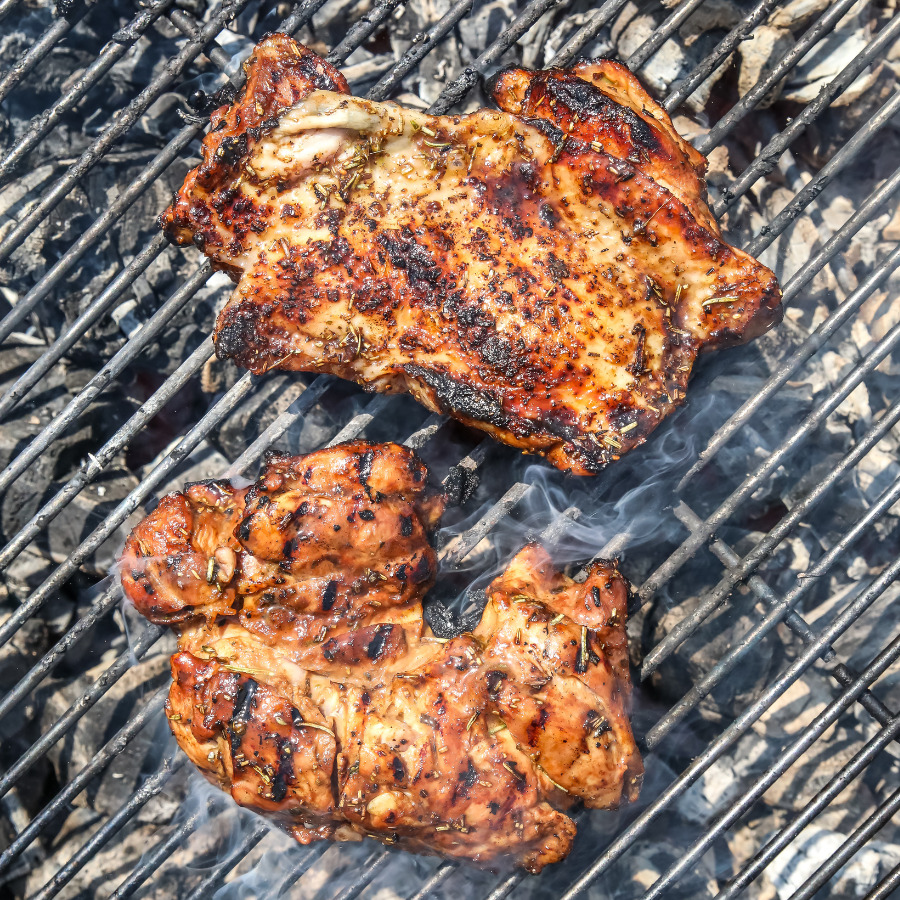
(547, 271)
(308, 684)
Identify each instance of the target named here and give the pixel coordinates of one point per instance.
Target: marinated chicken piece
(547, 272)
(363, 723)
(336, 539)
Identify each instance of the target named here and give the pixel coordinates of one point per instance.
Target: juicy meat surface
(308, 685)
(546, 272)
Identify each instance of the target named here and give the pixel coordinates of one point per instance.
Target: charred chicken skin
(308, 684)
(546, 272)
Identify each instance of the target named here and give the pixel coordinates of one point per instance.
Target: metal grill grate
(703, 535)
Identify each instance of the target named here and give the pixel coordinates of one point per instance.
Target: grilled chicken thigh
(309, 686)
(547, 272)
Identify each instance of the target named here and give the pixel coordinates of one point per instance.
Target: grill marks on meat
(547, 272)
(336, 540)
(347, 717)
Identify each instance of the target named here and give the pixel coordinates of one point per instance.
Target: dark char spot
(329, 596)
(377, 644)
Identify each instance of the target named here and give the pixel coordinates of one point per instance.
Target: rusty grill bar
(704, 532)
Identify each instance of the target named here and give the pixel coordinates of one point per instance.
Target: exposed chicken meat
(336, 711)
(547, 272)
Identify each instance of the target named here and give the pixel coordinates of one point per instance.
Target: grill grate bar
(780, 609)
(751, 99)
(190, 28)
(817, 339)
(598, 18)
(725, 48)
(108, 830)
(112, 52)
(360, 420)
(733, 732)
(763, 549)
(119, 126)
(767, 159)
(303, 865)
(151, 864)
(422, 44)
(44, 44)
(102, 759)
(789, 756)
(887, 887)
(125, 508)
(847, 154)
(659, 37)
(70, 717)
(807, 427)
(426, 432)
(848, 849)
(454, 553)
(437, 878)
(105, 376)
(361, 30)
(835, 786)
(7, 6)
(216, 878)
(373, 867)
(465, 81)
(97, 462)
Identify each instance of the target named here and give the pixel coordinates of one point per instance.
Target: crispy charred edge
(598, 71)
(484, 409)
(218, 701)
(280, 73)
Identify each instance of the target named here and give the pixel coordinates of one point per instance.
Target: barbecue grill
(759, 525)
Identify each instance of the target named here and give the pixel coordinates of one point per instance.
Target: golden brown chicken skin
(603, 103)
(335, 538)
(547, 272)
(346, 718)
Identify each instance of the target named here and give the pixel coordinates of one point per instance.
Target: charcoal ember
(759, 55)
(696, 38)
(700, 652)
(85, 513)
(143, 754)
